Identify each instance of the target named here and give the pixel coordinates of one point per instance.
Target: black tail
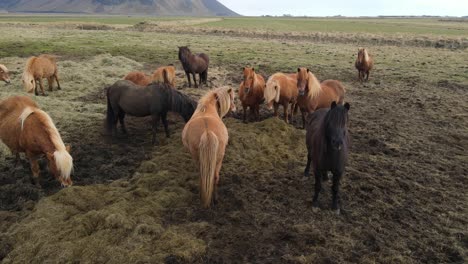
(110, 117)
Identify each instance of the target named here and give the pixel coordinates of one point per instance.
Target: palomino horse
(156, 99)
(37, 68)
(26, 128)
(364, 63)
(206, 137)
(165, 74)
(327, 142)
(194, 64)
(251, 92)
(314, 95)
(4, 74)
(281, 89)
(138, 78)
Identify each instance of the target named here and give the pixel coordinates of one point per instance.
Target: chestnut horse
(364, 63)
(165, 74)
(327, 140)
(314, 95)
(281, 89)
(206, 137)
(37, 68)
(26, 128)
(4, 74)
(194, 64)
(251, 92)
(138, 78)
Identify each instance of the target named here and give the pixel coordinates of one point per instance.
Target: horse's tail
(208, 150)
(110, 116)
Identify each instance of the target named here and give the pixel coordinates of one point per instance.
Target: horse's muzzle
(301, 92)
(247, 90)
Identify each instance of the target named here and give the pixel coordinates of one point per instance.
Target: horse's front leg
(42, 87)
(275, 107)
(155, 119)
(244, 119)
(34, 168)
(309, 160)
(188, 79)
(121, 116)
(257, 112)
(367, 77)
(336, 190)
(303, 113)
(50, 81)
(285, 110)
(166, 126)
(195, 79)
(318, 187)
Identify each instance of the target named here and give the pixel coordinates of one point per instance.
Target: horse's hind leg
(318, 187)
(195, 79)
(121, 116)
(309, 160)
(155, 118)
(57, 80)
(336, 190)
(367, 77)
(42, 87)
(166, 125)
(50, 81)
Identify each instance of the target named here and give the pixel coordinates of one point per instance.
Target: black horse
(156, 99)
(327, 142)
(194, 64)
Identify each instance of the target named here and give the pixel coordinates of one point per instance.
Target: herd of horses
(25, 128)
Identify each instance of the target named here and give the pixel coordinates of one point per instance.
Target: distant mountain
(124, 7)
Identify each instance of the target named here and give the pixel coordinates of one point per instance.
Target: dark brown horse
(194, 64)
(327, 142)
(156, 99)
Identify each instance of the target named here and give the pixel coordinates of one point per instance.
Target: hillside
(127, 7)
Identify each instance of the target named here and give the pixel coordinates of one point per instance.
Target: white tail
(208, 150)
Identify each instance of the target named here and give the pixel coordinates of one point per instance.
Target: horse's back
(205, 58)
(200, 124)
(289, 85)
(138, 78)
(43, 66)
(332, 90)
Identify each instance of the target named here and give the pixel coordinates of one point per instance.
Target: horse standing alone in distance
(4, 74)
(194, 64)
(251, 92)
(156, 100)
(37, 68)
(364, 63)
(281, 89)
(327, 140)
(314, 95)
(26, 128)
(206, 137)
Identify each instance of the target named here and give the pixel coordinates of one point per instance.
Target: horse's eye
(32, 81)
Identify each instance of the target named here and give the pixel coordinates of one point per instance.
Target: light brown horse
(37, 68)
(251, 92)
(206, 137)
(138, 78)
(315, 95)
(4, 74)
(281, 89)
(364, 63)
(26, 128)
(165, 74)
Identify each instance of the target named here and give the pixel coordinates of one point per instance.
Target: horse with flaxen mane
(251, 92)
(4, 74)
(156, 99)
(281, 89)
(26, 128)
(194, 64)
(364, 63)
(37, 68)
(165, 74)
(138, 78)
(314, 95)
(206, 137)
(327, 140)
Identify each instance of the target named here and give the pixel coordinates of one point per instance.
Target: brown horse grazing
(37, 68)
(364, 63)
(206, 137)
(314, 95)
(26, 128)
(4, 74)
(251, 92)
(165, 74)
(138, 78)
(194, 64)
(281, 89)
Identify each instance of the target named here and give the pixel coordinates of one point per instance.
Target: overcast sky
(348, 8)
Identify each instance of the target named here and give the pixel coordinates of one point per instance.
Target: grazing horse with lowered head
(165, 74)
(156, 100)
(327, 140)
(251, 92)
(194, 64)
(281, 89)
(37, 68)
(26, 128)
(138, 78)
(206, 137)
(314, 95)
(364, 63)
(4, 74)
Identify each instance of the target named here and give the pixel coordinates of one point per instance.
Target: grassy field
(403, 194)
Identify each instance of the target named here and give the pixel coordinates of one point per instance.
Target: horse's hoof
(58, 88)
(337, 211)
(315, 204)
(306, 174)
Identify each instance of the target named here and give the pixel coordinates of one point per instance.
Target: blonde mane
(314, 86)
(63, 159)
(366, 55)
(224, 100)
(3, 67)
(27, 75)
(270, 92)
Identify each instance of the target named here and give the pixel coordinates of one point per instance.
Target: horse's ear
(333, 105)
(308, 70)
(253, 69)
(68, 148)
(298, 69)
(347, 106)
(229, 90)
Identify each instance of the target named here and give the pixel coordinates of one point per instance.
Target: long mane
(27, 75)
(314, 86)
(270, 92)
(366, 55)
(181, 102)
(224, 100)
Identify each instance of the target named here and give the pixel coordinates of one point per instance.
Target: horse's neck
(210, 108)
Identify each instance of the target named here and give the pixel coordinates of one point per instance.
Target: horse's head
(225, 100)
(272, 92)
(302, 80)
(232, 97)
(4, 74)
(336, 126)
(249, 79)
(362, 54)
(28, 82)
(183, 51)
(61, 166)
